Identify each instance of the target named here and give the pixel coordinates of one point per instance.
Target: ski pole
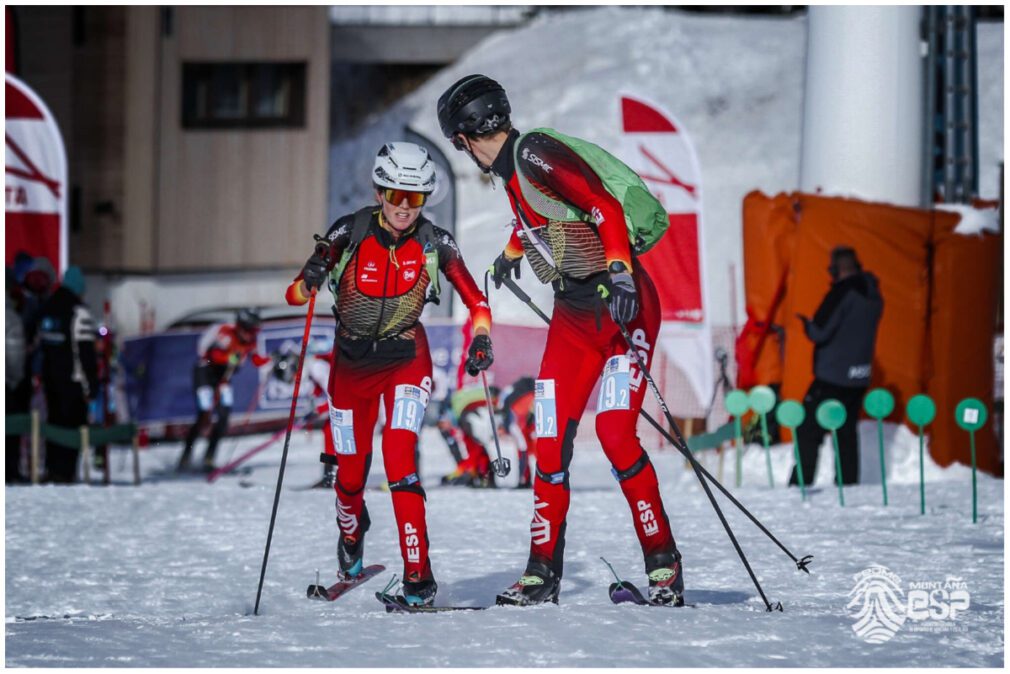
(287, 441)
(502, 467)
(801, 563)
(633, 352)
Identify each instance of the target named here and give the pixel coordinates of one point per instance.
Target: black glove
(623, 294)
(314, 272)
(504, 267)
(480, 356)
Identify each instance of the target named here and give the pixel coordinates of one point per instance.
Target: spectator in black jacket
(69, 368)
(844, 331)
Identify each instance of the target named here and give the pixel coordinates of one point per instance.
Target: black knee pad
(410, 483)
(567, 449)
(635, 469)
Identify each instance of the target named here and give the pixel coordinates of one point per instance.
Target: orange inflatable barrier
(940, 293)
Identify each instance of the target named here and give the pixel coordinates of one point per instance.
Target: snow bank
(973, 220)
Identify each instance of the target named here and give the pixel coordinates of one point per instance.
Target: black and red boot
(538, 585)
(666, 578)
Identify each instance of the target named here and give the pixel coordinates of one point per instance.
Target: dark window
(243, 95)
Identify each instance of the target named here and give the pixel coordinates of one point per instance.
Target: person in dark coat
(69, 369)
(15, 352)
(844, 332)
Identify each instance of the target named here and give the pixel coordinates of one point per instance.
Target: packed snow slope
(165, 574)
(735, 84)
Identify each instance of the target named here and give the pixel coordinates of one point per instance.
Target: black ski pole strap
(635, 469)
(552, 478)
(411, 483)
(328, 459)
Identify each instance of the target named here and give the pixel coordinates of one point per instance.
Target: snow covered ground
(166, 574)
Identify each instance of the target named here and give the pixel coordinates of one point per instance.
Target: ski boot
(538, 585)
(666, 579)
(420, 593)
(351, 549)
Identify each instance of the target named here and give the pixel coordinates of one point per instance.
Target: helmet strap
(465, 147)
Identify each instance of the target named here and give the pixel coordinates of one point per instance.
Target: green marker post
(737, 405)
(762, 401)
(791, 414)
(921, 411)
(971, 415)
(831, 417)
(879, 403)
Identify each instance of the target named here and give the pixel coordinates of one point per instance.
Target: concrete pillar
(862, 107)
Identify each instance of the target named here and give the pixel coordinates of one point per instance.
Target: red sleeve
(565, 174)
(459, 276)
(514, 247)
(294, 295)
(219, 352)
(260, 360)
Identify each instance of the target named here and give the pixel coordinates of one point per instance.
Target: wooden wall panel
(243, 198)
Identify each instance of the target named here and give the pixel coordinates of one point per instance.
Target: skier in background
(584, 247)
(470, 410)
(69, 369)
(380, 264)
(230, 346)
(519, 422)
(15, 353)
(844, 333)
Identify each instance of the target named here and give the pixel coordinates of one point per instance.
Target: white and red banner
(656, 146)
(35, 178)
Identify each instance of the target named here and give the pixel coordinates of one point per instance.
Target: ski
(341, 587)
(396, 604)
(623, 592)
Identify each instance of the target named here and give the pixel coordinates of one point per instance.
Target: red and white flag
(656, 146)
(35, 178)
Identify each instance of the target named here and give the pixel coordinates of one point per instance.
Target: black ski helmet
(248, 319)
(475, 104)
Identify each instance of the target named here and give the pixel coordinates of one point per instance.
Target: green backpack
(645, 217)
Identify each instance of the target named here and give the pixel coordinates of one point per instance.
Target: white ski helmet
(404, 166)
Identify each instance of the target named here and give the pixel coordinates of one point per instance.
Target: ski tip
(316, 592)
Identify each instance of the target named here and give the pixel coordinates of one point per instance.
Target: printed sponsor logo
(536, 161)
(638, 339)
(348, 521)
(597, 215)
(540, 527)
(371, 266)
(880, 605)
(409, 275)
(648, 518)
(412, 542)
